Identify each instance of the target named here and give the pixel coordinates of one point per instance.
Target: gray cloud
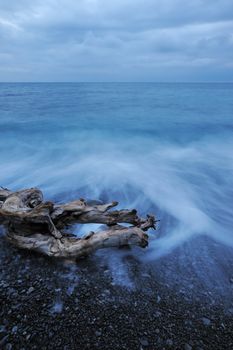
(102, 40)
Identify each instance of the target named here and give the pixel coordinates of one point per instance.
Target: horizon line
(116, 82)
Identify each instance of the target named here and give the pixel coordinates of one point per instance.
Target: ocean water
(161, 148)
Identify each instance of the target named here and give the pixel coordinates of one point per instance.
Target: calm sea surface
(164, 148)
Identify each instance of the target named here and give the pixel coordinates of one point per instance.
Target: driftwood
(42, 226)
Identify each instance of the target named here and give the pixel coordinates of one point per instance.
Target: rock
(169, 342)
(14, 329)
(11, 291)
(188, 322)
(157, 314)
(206, 321)
(187, 347)
(4, 340)
(98, 333)
(157, 331)
(144, 342)
(30, 290)
(2, 328)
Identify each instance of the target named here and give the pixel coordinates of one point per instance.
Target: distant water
(163, 148)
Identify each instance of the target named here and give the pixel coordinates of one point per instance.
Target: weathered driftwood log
(41, 226)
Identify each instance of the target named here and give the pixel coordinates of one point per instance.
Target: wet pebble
(144, 341)
(2, 328)
(206, 321)
(169, 342)
(30, 290)
(14, 329)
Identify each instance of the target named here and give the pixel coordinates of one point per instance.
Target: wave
(189, 187)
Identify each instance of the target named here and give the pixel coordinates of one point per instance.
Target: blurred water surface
(164, 148)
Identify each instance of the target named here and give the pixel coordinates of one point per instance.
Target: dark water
(165, 148)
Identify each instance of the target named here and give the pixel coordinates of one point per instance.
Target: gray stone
(144, 342)
(2, 328)
(206, 321)
(14, 329)
(169, 342)
(30, 290)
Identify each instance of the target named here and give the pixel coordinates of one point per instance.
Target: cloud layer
(119, 40)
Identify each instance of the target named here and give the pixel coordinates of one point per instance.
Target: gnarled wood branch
(37, 225)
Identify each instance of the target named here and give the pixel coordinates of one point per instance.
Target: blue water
(163, 148)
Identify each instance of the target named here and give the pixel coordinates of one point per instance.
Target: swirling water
(163, 148)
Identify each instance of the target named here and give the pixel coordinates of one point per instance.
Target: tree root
(41, 226)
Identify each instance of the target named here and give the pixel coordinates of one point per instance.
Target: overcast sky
(116, 40)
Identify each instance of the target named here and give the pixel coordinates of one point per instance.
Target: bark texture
(42, 226)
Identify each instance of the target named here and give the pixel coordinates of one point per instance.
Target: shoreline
(109, 301)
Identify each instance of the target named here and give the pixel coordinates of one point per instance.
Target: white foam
(191, 184)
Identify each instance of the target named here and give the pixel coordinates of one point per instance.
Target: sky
(116, 40)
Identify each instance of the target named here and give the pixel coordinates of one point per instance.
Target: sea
(162, 148)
